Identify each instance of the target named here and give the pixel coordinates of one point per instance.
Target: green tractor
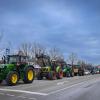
(49, 69)
(14, 68)
(67, 71)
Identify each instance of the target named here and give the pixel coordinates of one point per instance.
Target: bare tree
(55, 53)
(88, 66)
(25, 48)
(72, 59)
(37, 49)
(81, 63)
(85, 65)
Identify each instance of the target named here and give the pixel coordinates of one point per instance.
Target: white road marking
(96, 80)
(32, 98)
(26, 98)
(65, 88)
(22, 91)
(60, 83)
(10, 95)
(22, 97)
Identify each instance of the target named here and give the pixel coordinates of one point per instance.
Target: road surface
(76, 88)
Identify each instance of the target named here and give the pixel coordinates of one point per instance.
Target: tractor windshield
(12, 59)
(43, 60)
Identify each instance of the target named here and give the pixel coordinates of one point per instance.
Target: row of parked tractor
(17, 67)
(56, 69)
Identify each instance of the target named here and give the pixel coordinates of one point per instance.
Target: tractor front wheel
(72, 74)
(29, 75)
(12, 78)
(68, 74)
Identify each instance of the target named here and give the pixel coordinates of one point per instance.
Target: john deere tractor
(49, 69)
(67, 71)
(14, 68)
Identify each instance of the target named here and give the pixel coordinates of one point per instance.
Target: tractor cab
(44, 62)
(57, 64)
(16, 59)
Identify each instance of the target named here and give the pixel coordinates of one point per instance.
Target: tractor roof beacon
(14, 68)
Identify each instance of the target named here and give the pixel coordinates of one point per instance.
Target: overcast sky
(71, 25)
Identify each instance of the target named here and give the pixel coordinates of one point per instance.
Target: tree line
(31, 49)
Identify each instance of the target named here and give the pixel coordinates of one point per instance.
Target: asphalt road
(76, 88)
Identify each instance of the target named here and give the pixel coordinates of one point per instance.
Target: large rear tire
(12, 78)
(29, 75)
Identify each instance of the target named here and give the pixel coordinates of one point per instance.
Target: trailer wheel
(29, 75)
(12, 78)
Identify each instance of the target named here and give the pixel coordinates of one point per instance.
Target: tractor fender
(25, 70)
(58, 69)
(22, 75)
(29, 66)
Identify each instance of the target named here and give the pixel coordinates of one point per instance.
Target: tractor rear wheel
(12, 78)
(29, 75)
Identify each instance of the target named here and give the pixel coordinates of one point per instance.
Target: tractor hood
(5, 65)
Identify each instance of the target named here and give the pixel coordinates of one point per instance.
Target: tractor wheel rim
(14, 78)
(30, 75)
